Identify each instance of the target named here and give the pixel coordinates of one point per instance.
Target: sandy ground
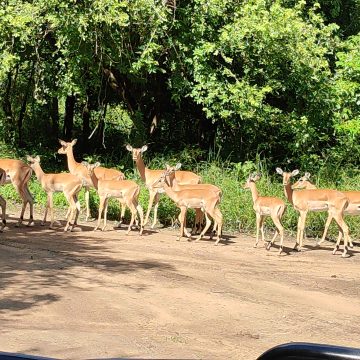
(104, 295)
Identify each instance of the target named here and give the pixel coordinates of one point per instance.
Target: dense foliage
(277, 78)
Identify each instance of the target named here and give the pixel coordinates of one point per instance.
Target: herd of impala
(183, 187)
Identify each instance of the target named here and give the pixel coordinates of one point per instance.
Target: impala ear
(279, 171)
(307, 175)
(29, 158)
(295, 172)
(167, 167)
(62, 142)
(177, 166)
(85, 163)
(74, 142)
(97, 164)
(37, 158)
(144, 148)
(129, 147)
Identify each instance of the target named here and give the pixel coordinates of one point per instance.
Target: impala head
(303, 182)
(90, 167)
(167, 175)
(33, 160)
(252, 179)
(136, 152)
(66, 146)
(287, 175)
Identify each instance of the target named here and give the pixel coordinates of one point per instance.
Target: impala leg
(213, 231)
(30, 200)
(199, 218)
(207, 225)
(77, 211)
(182, 221)
(327, 224)
(337, 244)
(87, 203)
(68, 213)
(141, 215)
(19, 188)
(151, 200)
(218, 220)
(302, 230)
(155, 210)
(280, 231)
(101, 208)
(78, 207)
(72, 205)
(258, 221)
(46, 211)
(3, 213)
(122, 205)
(50, 205)
(338, 216)
(262, 221)
(132, 208)
(105, 213)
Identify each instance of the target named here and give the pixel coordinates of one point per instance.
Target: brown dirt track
(104, 294)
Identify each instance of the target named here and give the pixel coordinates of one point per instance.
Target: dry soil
(104, 294)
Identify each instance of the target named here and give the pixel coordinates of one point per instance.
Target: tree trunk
(7, 108)
(86, 122)
(23, 107)
(54, 113)
(69, 117)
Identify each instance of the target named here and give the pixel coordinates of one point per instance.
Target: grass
(236, 204)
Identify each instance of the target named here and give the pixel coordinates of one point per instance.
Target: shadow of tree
(34, 261)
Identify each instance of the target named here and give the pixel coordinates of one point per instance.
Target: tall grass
(236, 204)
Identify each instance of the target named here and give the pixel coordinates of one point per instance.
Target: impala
(68, 184)
(266, 206)
(18, 173)
(202, 199)
(125, 190)
(307, 200)
(170, 172)
(351, 209)
(81, 172)
(2, 200)
(150, 177)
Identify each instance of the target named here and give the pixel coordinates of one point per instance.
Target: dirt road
(100, 295)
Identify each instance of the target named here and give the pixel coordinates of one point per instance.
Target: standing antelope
(125, 190)
(202, 199)
(266, 206)
(150, 177)
(66, 183)
(2, 200)
(307, 200)
(19, 174)
(351, 209)
(171, 171)
(81, 172)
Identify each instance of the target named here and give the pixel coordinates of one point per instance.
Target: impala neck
(288, 192)
(254, 192)
(141, 167)
(94, 179)
(170, 192)
(38, 171)
(72, 163)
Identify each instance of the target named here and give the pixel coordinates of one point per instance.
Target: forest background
(225, 87)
